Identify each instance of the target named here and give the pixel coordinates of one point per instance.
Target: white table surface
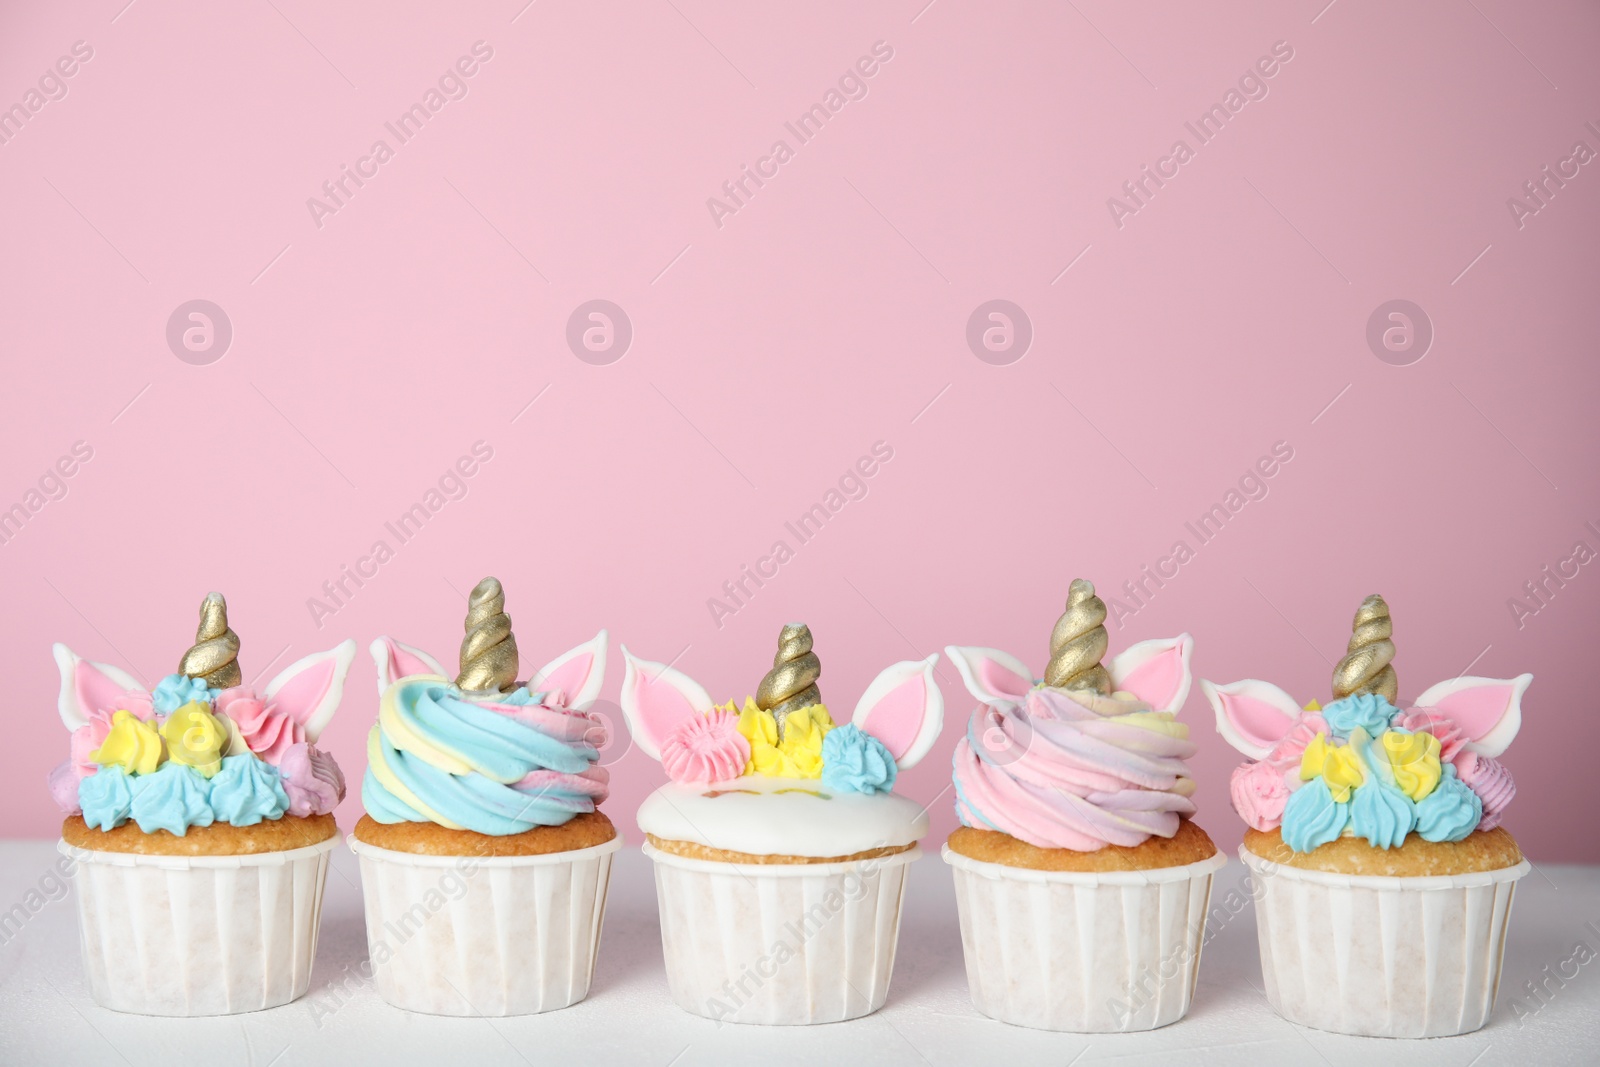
(46, 1015)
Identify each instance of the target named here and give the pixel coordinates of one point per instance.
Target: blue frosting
(248, 790)
(1381, 814)
(245, 791)
(502, 751)
(1451, 811)
(176, 690)
(1369, 711)
(1312, 818)
(106, 797)
(856, 762)
(174, 798)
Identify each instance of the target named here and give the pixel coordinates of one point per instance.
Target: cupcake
(199, 821)
(780, 848)
(484, 862)
(1382, 875)
(1081, 882)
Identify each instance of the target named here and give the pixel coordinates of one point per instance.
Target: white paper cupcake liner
(780, 944)
(484, 936)
(1382, 957)
(1087, 952)
(198, 935)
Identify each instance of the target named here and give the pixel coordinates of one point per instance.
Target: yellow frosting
(395, 724)
(195, 737)
(386, 777)
(1414, 759)
(132, 744)
(1339, 766)
(798, 755)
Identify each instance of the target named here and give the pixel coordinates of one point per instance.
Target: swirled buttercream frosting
(1074, 769)
(498, 766)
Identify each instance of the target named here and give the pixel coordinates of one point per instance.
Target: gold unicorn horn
(214, 657)
(489, 651)
(1365, 667)
(791, 684)
(1078, 642)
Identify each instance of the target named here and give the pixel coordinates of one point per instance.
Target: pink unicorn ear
(396, 661)
(1488, 710)
(577, 674)
(1252, 716)
(1157, 672)
(655, 699)
(89, 687)
(904, 709)
(308, 690)
(994, 677)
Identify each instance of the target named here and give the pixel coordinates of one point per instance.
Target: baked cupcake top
(776, 775)
(1088, 756)
(485, 752)
(1362, 767)
(200, 748)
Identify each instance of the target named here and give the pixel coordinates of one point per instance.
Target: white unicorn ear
(1252, 716)
(992, 676)
(577, 673)
(88, 687)
(1157, 672)
(308, 690)
(655, 699)
(396, 661)
(904, 709)
(1488, 710)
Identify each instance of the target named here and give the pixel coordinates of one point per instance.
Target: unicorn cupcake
(199, 816)
(484, 857)
(1384, 878)
(1081, 881)
(780, 847)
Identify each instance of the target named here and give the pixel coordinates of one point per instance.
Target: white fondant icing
(73, 714)
(968, 660)
(1504, 731)
(387, 674)
(1137, 655)
(769, 821)
(1264, 692)
(932, 720)
(589, 690)
(315, 717)
(639, 676)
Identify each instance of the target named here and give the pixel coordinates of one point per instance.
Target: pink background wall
(373, 345)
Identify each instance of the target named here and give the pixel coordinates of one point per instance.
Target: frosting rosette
(706, 748)
(185, 754)
(496, 766)
(1361, 767)
(1074, 769)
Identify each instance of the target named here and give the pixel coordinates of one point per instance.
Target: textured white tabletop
(46, 1015)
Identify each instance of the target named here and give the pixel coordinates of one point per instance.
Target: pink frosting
(1061, 771)
(705, 748)
(267, 729)
(1491, 781)
(1260, 790)
(88, 738)
(64, 787)
(312, 780)
(1427, 720)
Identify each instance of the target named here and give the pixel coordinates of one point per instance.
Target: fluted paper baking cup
(484, 935)
(780, 943)
(198, 935)
(1086, 952)
(1382, 957)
